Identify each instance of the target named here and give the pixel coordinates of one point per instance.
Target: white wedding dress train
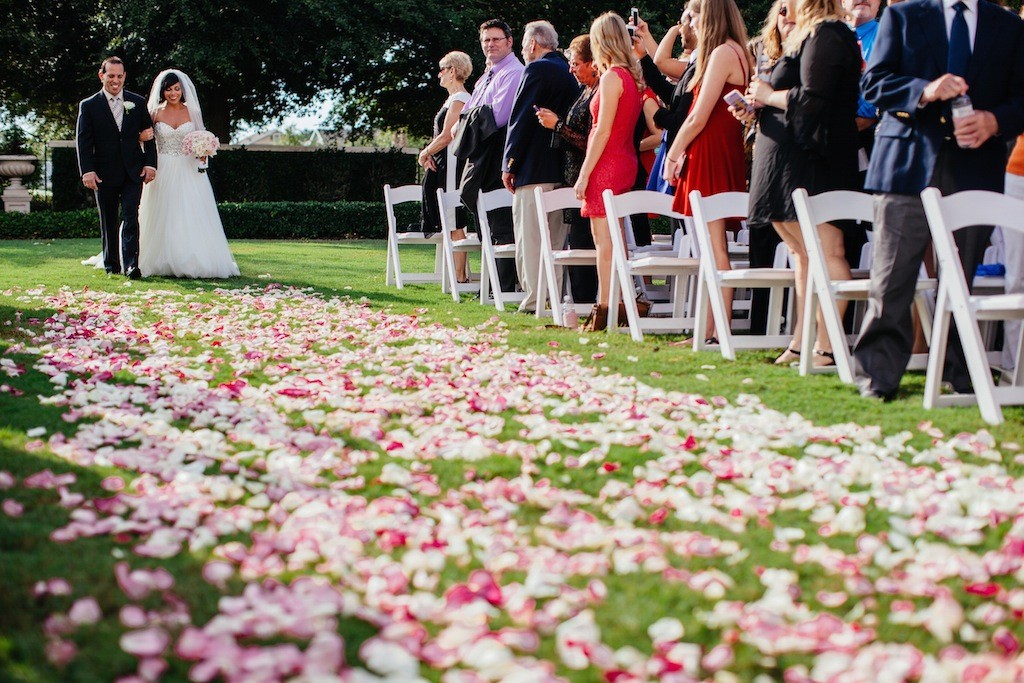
(180, 232)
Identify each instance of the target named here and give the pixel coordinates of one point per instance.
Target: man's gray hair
(543, 32)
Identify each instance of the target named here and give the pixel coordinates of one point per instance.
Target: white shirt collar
(972, 5)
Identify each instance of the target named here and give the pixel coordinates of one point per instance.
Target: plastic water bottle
(961, 108)
(570, 318)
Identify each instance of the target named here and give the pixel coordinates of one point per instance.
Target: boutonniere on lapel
(128, 106)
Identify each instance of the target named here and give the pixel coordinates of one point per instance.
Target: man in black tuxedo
(114, 165)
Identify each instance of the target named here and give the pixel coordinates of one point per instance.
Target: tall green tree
(393, 83)
(257, 61)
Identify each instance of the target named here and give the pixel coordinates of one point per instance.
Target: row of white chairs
(697, 284)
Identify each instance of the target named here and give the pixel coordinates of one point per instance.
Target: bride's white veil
(195, 112)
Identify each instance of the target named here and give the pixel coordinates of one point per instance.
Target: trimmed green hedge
(242, 175)
(250, 220)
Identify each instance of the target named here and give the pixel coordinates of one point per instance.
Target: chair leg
(978, 366)
(486, 287)
(389, 276)
(700, 319)
(937, 351)
(809, 328)
(438, 262)
(449, 267)
(721, 318)
(542, 291)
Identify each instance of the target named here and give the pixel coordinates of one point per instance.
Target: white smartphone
(734, 98)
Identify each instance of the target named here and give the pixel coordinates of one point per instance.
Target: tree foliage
(257, 61)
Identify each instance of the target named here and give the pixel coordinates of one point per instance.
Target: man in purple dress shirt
(497, 88)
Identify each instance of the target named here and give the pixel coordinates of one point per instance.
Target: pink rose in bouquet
(201, 144)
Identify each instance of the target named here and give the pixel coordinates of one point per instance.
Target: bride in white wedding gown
(180, 233)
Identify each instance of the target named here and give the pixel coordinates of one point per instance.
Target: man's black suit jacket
(114, 155)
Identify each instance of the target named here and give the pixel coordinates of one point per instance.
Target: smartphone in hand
(634, 16)
(734, 98)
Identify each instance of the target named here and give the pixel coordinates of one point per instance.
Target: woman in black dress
(807, 137)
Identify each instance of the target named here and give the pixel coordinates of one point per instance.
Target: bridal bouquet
(200, 144)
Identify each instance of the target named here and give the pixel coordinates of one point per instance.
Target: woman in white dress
(180, 233)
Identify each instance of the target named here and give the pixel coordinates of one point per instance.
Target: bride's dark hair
(169, 80)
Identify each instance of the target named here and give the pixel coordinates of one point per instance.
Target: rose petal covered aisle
(375, 497)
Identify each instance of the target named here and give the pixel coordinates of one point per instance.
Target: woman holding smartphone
(807, 137)
(707, 153)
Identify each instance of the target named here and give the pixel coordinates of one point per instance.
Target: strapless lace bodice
(169, 138)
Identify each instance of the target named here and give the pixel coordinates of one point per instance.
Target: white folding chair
(393, 274)
(490, 288)
(713, 281)
(447, 202)
(824, 292)
(554, 261)
(625, 267)
(954, 302)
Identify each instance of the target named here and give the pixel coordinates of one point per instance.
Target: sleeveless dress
(715, 159)
(180, 233)
(616, 168)
(430, 218)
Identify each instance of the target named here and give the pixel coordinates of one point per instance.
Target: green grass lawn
(356, 269)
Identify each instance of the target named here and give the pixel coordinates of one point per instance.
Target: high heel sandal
(597, 320)
(823, 359)
(788, 356)
(643, 308)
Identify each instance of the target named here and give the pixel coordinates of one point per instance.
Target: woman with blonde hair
(807, 137)
(769, 46)
(453, 70)
(707, 153)
(611, 160)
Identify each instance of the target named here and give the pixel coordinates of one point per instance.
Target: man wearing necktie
(927, 53)
(114, 165)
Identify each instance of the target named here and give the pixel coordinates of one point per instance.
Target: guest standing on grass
(484, 121)
(530, 160)
(807, 138)
(928, 53)
(573, 130)
(453, 70)
(114, 165)
(611, 161)
(707, 153)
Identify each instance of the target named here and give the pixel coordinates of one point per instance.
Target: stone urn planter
(15, 167)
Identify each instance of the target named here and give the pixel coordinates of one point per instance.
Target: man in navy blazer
(929, 52)
(114, 165)
(530, 160)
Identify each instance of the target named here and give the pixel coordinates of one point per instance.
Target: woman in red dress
(611, 160)
(707, 153)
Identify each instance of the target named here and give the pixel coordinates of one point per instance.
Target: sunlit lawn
(356, 269)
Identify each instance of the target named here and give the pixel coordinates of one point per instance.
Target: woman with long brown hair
(611, 160)
(707, 153)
